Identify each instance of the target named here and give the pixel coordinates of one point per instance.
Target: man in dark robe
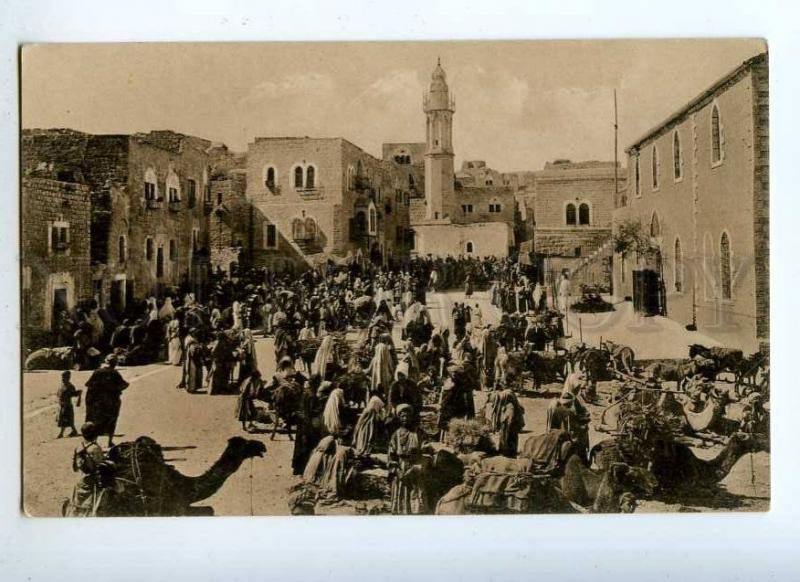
(103, 398)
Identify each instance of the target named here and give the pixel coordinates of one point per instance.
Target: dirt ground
(193, 429)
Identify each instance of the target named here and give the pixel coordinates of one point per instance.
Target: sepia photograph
(395, 278)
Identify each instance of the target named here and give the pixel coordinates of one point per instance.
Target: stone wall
(480, 199)
(46, 266)
(487, 238)
(708, 200)
(760, 76)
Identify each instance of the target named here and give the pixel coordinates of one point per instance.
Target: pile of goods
(591, 301)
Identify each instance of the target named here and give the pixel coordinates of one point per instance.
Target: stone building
(56, 252)
(150, 200)
(329, 198)
(698, 190)
(477, 173)
(452, 218)
(572, 205)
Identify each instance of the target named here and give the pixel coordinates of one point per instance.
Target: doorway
(60, 306)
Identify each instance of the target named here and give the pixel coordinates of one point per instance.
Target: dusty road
(194, 430)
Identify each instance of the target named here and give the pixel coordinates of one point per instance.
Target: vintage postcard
(422, 278)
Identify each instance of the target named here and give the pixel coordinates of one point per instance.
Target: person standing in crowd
(192, 376)
(104, 398)
(66, 414)
(405, 449)
(245, 404)
(248, 360)
(404, 391)
(174, 350)
(564, 291)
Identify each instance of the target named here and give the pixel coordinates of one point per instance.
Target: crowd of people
(345, 386)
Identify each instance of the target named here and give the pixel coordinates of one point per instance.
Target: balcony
(60, 246)
(311, 193)
(154, 203)
(174, 205)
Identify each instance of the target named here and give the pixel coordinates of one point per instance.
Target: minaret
(439, 107)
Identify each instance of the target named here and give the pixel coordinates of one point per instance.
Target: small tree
(631, 238)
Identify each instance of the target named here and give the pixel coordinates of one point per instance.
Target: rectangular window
(467, 208)
(399, 234)
(149, 191)
(195, 238)
(173, 250)
(172, 194)
(495, 208)
(59, 236)
(191, 187)
(270, 237)
(148, 249)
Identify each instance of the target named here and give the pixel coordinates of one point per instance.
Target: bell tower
(439, 107)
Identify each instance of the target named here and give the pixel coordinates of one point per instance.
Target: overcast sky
(518, 104)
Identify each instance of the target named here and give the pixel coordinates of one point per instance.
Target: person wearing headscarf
(405, 449)
(332, 416)
(245, 405)
(174, 350)
(167, 311)
(565, 413)
(404, 391)
(248, 360)
(507, 419)
(192, 377)
(236, 312)
(103, 397)
(381, 368)
(325, 357)
(221, 358)
(328, 468)
(369, 426)
(152, 310)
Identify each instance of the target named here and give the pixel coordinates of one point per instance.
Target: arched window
(583, 214)
(351, 177)
(716, 135)
(656, 167)
(570, 214)
(310, 177)
(122, 249)
(470, 247)
(269, 178)
(298, 177)
(150, 187)
(678, 266)
(677, 156)
(655, 226)
(725, 266)
(298, 229)
(173, 188)
(311, 228)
